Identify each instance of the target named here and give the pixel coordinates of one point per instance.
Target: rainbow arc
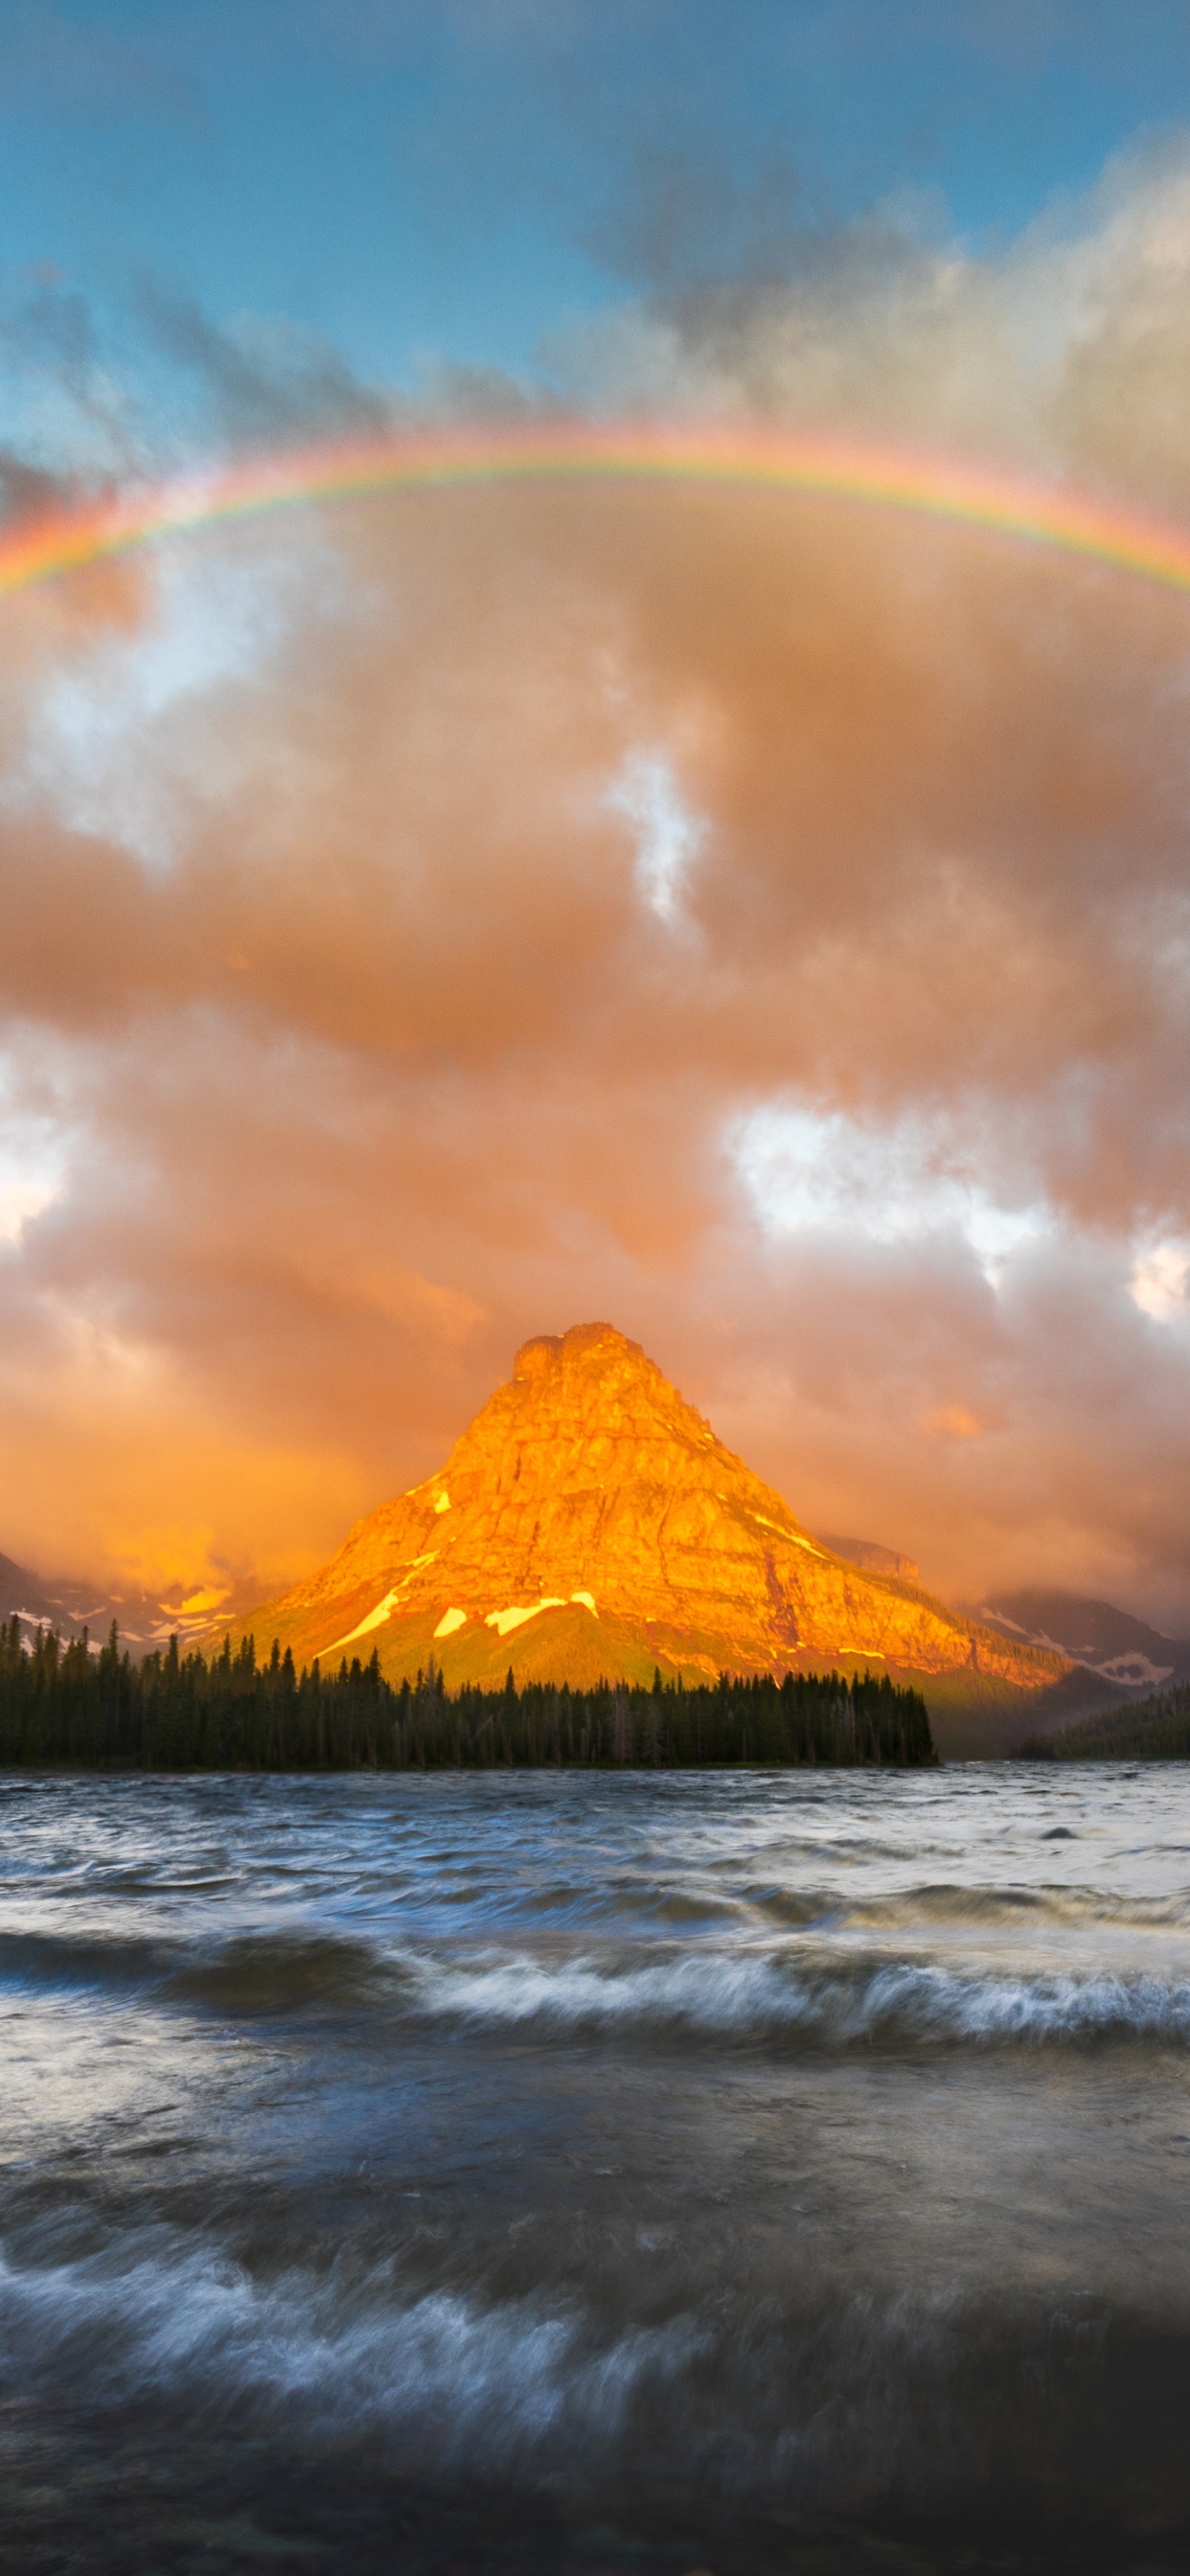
(1040, 514)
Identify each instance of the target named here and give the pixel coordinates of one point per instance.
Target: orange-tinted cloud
(763, 922)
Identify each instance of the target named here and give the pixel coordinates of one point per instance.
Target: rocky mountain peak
(589, 1521)
(590, 1346)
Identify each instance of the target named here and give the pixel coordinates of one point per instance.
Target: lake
(570, 2172)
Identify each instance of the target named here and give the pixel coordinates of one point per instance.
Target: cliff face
(589, 1522)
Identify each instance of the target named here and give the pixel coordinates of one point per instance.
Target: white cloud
(25, 1190)
(113, 748)
(1160, 1279)
(33, 1160)
(668, 836)
(810, 1171)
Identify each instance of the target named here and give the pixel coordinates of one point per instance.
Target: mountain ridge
(1124, 1650)
(589, 1521)
(70, 1603)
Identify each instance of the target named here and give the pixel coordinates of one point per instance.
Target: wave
(781, 1997)
(249, 1973)
(797, 1907)
(121, 1964)
(623, 1904)
(750, 1998)
(944, 1901)
(443, 2374)
(800, 2391)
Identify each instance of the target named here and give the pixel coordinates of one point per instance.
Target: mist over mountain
(1127, 1652)
(869, 1553)
(68, 1604)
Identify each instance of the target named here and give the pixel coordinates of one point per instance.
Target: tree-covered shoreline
(1156, 1729)
(66, 1706)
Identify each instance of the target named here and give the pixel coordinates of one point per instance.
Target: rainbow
(1040, 514)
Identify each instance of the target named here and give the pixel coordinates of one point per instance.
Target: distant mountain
(1155, 1729)
(867, 1553)
(1124, 1651)
(590, 1523)
(29, 1597)
(144, 1619)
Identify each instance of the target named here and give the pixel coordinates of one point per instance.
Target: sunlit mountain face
(589, 1523)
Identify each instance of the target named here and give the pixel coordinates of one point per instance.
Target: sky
(429, 920)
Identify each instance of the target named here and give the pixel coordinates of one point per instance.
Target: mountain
(866, 1552)
(590, 1523)
(27, 1596)
(61, 1602)
(1126, 1652)
(1156, 1729)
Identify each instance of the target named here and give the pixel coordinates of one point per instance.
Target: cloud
(263, 380)
(125, 738)
(384, 1054)
(33, 1161)
(1066, 352)
(1159, 1281)
(668, 837)
(690, 218)
(811, 1173)
(27, 491)
(63, 416)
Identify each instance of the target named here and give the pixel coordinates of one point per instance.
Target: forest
(1156, 1729)
(65, 1705)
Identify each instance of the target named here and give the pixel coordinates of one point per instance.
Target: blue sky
(449, 182)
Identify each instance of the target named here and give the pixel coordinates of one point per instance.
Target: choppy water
(571, 2173)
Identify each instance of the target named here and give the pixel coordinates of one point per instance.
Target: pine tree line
(63, 1704)
(1156, 1729)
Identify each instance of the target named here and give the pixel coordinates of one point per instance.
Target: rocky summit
(589, 1523)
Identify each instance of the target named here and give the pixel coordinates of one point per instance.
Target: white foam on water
(742, 1996)
(460, 2380)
